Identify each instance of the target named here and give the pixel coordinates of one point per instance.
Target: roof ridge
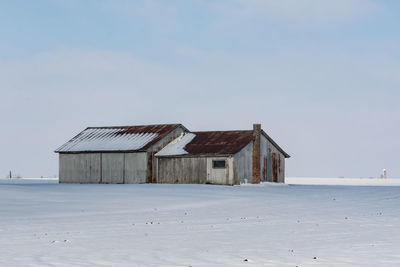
(274, 144)
(127, 126)
(222, 131)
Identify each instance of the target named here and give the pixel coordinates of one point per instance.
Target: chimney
(256, 153)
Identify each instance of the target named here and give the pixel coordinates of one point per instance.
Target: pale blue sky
(322, 77)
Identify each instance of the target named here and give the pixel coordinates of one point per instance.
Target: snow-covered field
(343, 181)
(43, 223)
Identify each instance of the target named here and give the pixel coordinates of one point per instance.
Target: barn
(170, 153)
(222, 157)
(114, 154)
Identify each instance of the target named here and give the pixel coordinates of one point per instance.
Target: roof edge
(127, 126)
(196, 156)
(99, 151)
(221, 131)
(275, 144)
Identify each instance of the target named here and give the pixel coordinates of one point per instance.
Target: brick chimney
(256, 153)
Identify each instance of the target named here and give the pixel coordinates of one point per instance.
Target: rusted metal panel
(275, 167)
(118, 139)
(281, 178)
(256, 154)
(267, 151)
(264, 172)
(279, 168)
(218, 142)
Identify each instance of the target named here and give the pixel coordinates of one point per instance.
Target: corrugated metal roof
(218, 142)
(117, 138)
(214, 143)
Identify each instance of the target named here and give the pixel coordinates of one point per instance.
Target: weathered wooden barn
(170, 154)
(222, 157)
(114, 154)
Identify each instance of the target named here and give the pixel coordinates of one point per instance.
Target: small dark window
(218, 163)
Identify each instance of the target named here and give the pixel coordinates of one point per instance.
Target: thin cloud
(294, 13)
(169, 16)
(312, 95)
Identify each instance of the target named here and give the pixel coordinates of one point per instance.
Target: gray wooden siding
(183, 170)
(242, 164)
(272, 162)
(135, 168)
(80, 168)
(112, 168)
(151, 159)
(194, 170)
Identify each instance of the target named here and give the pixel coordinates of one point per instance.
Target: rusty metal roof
(117, 138)
(213, 143)
(218, 142)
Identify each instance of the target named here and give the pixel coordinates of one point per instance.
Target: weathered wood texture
(112, 168)
(183, 170)
(135, 168)
(223, 176)
(151, 159)
(272, 162)
(80, 168)
(197, 170)
(242, 165)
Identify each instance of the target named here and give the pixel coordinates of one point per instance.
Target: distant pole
(383, 175)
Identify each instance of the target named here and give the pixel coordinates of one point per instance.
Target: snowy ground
(43, 223)
(343, 181)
